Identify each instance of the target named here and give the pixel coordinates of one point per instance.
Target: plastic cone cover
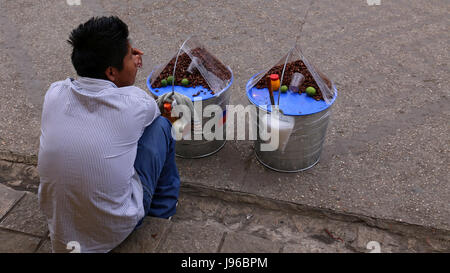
(195, 59)
(284, 68)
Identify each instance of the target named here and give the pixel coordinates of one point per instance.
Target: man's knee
(163, 123)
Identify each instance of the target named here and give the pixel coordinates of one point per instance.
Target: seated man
(106, 156)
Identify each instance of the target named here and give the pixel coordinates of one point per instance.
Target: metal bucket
(304, 146)
(202, 148)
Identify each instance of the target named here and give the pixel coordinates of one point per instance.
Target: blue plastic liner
(292, 104)
(187, 91)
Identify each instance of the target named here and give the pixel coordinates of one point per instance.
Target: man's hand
(137, 54)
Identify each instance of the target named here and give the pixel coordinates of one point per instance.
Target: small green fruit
(170, 80)
(164, 82)
(283, 89)
(311, 91)
(184, 82)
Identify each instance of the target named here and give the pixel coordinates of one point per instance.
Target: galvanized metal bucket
(202, 148)
(304, 146)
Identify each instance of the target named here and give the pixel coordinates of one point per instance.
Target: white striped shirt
(89, 189)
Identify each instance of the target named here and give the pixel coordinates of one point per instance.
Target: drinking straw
(269, 86)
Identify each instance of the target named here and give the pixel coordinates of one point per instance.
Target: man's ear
(111, 73)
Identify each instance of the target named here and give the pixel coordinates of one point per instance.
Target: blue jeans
(155, 165)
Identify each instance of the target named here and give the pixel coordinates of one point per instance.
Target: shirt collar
(93, 85)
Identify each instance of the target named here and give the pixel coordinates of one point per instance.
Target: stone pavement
(208, 225)
(386, 156)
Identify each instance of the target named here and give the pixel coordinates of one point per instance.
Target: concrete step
(212, 220)
(209, 225)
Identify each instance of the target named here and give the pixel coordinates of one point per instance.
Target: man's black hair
(97, 44)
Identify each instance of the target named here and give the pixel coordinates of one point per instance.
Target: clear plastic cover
(197, 65)
(192, 66)
(295, 62)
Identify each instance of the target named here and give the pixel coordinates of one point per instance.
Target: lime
(164, 82)
(184, 81)
(283, 89)
(170, 80)
(311, 91)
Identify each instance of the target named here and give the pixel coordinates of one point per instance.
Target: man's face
(131, 62)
